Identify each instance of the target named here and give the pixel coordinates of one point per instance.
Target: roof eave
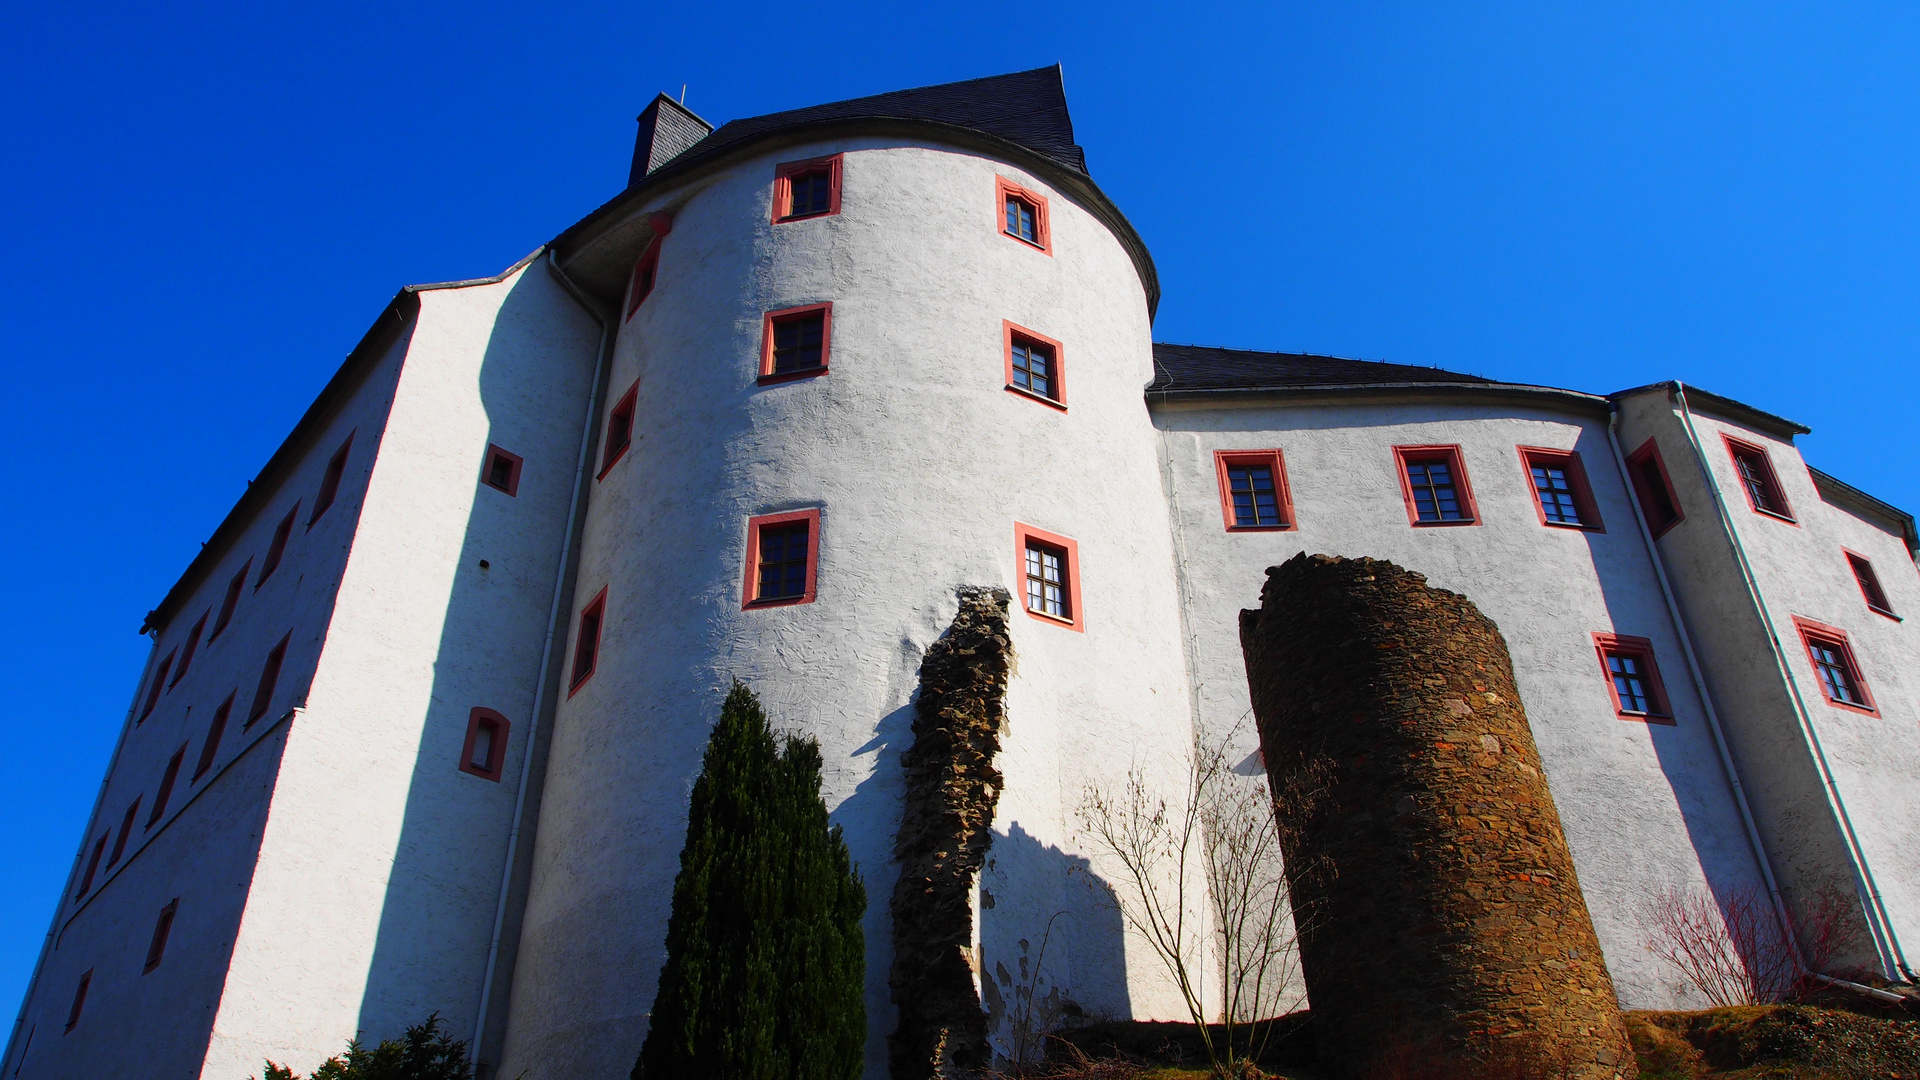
(1759, 419)
(1573, 399)
(1840, 493)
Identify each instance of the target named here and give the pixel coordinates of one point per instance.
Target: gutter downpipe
(1893, 960)
(574, 509)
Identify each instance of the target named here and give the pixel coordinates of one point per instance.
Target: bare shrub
(1735, 951)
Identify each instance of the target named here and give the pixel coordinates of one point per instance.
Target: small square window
(1658, 504)
(1869, 583)
(806, 189)
(153, 689)
(485, 752)
(1022, 214)
(1835, 666)
(795, 343)
(586, 642)
(1433, 479)
(1633, 678)
(126, 830)
(212, 745)
(232, 600)
(1253, 490)
(1035, 367)
(619, 430)
(269, 678)
(1049, 576)
(186, 655)
(167, 780)
(330, 483)
(277, 547)
(1754, 467)
(501, 470)
(79, 999)
(646, 271)
(93, 866)
(783, 559)
(1560, 490)
(162, 926)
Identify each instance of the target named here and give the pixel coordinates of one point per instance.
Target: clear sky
(207, 204)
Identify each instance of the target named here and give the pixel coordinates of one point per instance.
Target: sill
(770, 378)
(608, 467)
(783, 601)
(575, 686)
(1885, 612)
(1648, 718)
(1068, 623)
(804, 217)
(1864, 710)
(1445, 524)
(1570, 527)
(1664, 529)
(1776, 515)
(1288, 527)
(1041, 398)
(1034, 244)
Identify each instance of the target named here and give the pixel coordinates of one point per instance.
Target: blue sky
(207, 205)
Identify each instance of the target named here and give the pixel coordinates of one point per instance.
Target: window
(1835, 666)
(485, 751)
(79, 998)
(232, 601)
(1633, 678)
(159, 683)
(167, 778)
(330, 483)
(586, 644)
(157, 947)
(278, 546)
(619, 429)
(1022, 214)
(1434, 482)
(212, 746)
(1253, 490)
(1869, 582)
(269, 675)
(501, 470)
(1560, 489)
(1034, 366)
(783, 557)
(1650, 484)
(126, 827)
(795, 342)
(1757, 479)
(93, 866)
(1050, 576)
(806, 189)
(186, 657)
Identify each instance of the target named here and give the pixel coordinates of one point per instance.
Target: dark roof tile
(1207, 367)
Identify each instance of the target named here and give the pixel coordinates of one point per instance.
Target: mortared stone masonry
(1438, 914)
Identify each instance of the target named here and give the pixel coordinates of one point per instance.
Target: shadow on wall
(1052, 945)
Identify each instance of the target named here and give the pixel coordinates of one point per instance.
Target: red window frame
(498, 727)
(783, 175)
(330, 482)
(93, 864)
(1004, 189)
(1643, 477)
(186, 656)
(126, 829)
(619, 427)
(586, 642)
(1870, 588)
(277, 547)
(495, 454)
(1025, 536)
(750, 587)
(1582, 491)
(768, 322)
(1275, 461)
(646, 268)
(269, 679)
(1462, 487)
(232, 601)
(167, 780)
(162, 926)
(1660, 709)
(1011, 332)
(159, 683)
(1833, 637)
(212, 744)
(1739, 450)
(79, 999)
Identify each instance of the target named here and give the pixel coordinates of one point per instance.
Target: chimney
(667, 129)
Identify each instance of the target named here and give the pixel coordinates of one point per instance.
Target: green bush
(765, 957)
(426, 1052)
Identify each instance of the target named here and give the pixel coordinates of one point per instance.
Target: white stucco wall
(920, 462)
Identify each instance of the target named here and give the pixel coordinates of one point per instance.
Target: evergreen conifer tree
(765, 957)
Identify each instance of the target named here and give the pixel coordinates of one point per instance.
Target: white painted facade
(338, 873)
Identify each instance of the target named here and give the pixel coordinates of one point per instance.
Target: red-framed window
(1633, 678)
(1433, 480)
(783, 559)
(126, 829)
(501, 470)
(79, 998)
(586, 642)
(1658, 503)
(269, 678)
(93, 865)
(162, 926)
(484, 753)
(330, 482)
(1035, 365)
(277, 547)
(1560, 490)
(1835, 667)
(1869, 582)
(646, 269)
(795, 342)
(212, 744)
(1049, 571)
(231, 601)
(1754, 466)
(619, 436)
(1021, 213)
(167, 779)
(159, 683)
(1254, 496)
(193, 644)
(806, 189)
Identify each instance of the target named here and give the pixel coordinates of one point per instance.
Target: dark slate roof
(1207, 367)
(1026, 107)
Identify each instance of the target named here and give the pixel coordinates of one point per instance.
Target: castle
(420, 721)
